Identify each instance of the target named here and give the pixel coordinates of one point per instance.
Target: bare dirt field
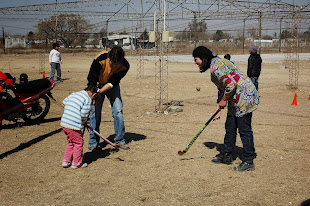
(151, 172)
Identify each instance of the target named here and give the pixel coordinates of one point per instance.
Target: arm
(106, 87)
(226, 86)
(60, 60)
(250, 66)
(65, 100)
(50, 57)
(123, 69)
(94, 72)
(85, 111)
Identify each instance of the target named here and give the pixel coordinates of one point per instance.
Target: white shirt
(55, 56)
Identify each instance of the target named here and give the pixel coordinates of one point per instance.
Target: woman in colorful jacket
(238, 91)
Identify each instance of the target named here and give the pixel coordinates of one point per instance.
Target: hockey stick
(180, 152)
(105, 139)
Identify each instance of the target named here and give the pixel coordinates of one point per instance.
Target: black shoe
(223, 158)
(244, 166)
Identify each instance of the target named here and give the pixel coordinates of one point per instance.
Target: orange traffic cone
(294, 103)
(43, 75)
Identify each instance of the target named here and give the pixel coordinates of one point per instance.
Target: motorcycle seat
(33, 86)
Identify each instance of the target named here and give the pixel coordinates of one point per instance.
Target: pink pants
(74, 149)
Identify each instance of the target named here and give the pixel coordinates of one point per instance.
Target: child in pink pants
(77, 108)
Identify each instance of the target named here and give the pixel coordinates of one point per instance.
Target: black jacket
(254, 65)
(96, 70)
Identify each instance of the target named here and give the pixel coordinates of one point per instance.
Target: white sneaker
(81, 166)
(65, 165)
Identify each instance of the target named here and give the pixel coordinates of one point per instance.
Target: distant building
(264, 43)
(125, 41)
(15, 42)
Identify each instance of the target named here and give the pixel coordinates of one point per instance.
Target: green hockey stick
(181, 152)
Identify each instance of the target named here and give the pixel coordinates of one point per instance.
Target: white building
(15, 42)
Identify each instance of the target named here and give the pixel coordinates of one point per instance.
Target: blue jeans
(255, 82)
(245, 130)
(114, 96)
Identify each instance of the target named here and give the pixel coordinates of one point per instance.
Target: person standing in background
(55, 61)
(254, 65)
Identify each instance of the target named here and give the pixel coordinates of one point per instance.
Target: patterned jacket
(230, 81)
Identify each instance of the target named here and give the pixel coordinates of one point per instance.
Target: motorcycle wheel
(38, 110)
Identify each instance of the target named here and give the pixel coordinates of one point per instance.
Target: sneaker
(244, 166)
(60, 80)
(81, 166)
(124, 147)
(223, 158)
(65, 165)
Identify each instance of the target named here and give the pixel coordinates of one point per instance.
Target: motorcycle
(29, 101)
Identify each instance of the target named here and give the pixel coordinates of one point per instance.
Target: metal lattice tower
(161, 78)
(140, 53)
(161, 64)
(292, 48)
(42, 59)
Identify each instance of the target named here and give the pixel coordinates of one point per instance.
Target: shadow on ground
(237, 151)
(29, 143)
(22, 124)
(100, 152)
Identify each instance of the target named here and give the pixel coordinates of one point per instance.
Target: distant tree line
(72, 30)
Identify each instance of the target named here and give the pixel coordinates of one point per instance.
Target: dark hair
(227, 56)
(205, 55)
(92, 88)
(55, 45)
(116, 54)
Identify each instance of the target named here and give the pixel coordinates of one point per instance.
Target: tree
(68, 28)
(306, 34)
(219, 34)
(195, 30)
(285, 34)
(267, 37)
(144, 35)
(253, 32)
(30, 36)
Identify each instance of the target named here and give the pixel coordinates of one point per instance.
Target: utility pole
(260, 31)
(56, 35)
(280, 40)
(3, 40)
(243, 36)
(195, 28)
(107, 35)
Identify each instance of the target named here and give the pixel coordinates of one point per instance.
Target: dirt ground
(151, 172)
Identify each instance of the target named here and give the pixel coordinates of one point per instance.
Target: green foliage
(219, 34)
